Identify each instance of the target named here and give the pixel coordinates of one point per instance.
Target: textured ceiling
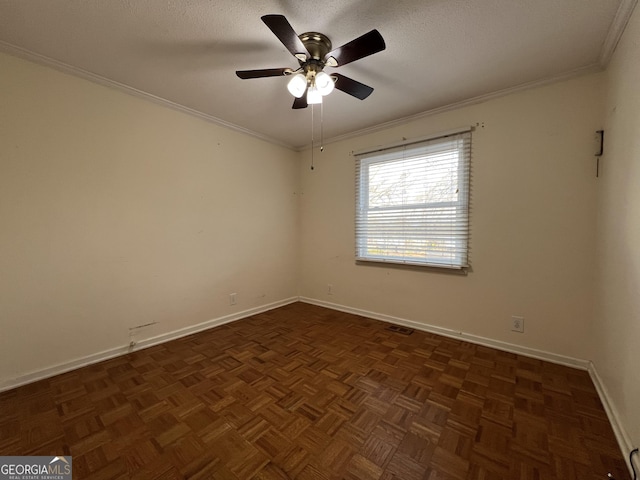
(439, 52)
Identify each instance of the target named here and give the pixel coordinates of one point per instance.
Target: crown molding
(615, 32)
(593, 68)
(95, 78)
(616, 29)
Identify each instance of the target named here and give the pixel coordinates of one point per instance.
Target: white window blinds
(412, 202)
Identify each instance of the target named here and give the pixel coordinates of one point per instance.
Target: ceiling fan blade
(266, 72)
(282, 29)
(300, 102)
(352, 87)
(361, 47)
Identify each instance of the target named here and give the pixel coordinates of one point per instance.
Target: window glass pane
(426, 179)
(412, 234)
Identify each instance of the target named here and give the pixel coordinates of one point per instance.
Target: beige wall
(617, 353)
(116, 212)
(532, 224)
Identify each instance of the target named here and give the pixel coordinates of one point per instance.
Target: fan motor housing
(317, 44)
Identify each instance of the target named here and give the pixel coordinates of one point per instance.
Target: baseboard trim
(624, 442)
(467, 337)
(142, 344)
(622, 437)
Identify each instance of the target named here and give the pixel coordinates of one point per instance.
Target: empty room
(355, 240)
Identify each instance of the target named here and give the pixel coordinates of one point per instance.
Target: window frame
(458, 260)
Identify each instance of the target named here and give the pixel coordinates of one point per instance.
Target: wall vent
(399, 329)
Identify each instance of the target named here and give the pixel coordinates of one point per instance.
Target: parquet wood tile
(307, 393)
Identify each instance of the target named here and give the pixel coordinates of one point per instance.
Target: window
(412, 202)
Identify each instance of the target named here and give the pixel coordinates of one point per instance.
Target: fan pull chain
(311, 136)
(322, 127)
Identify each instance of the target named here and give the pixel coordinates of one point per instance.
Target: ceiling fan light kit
(297, 85)
(313, 51)
(324, 83)
(314, 96)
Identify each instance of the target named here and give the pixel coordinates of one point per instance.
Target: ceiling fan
(313, 50)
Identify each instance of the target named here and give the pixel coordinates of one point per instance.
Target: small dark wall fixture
(599, 140)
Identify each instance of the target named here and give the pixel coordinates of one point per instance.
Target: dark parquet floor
(307, 393)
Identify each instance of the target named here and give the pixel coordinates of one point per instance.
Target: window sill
(430, 267)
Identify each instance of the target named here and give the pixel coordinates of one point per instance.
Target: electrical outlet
(517, 324)
(329, 289)
(232, 298)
